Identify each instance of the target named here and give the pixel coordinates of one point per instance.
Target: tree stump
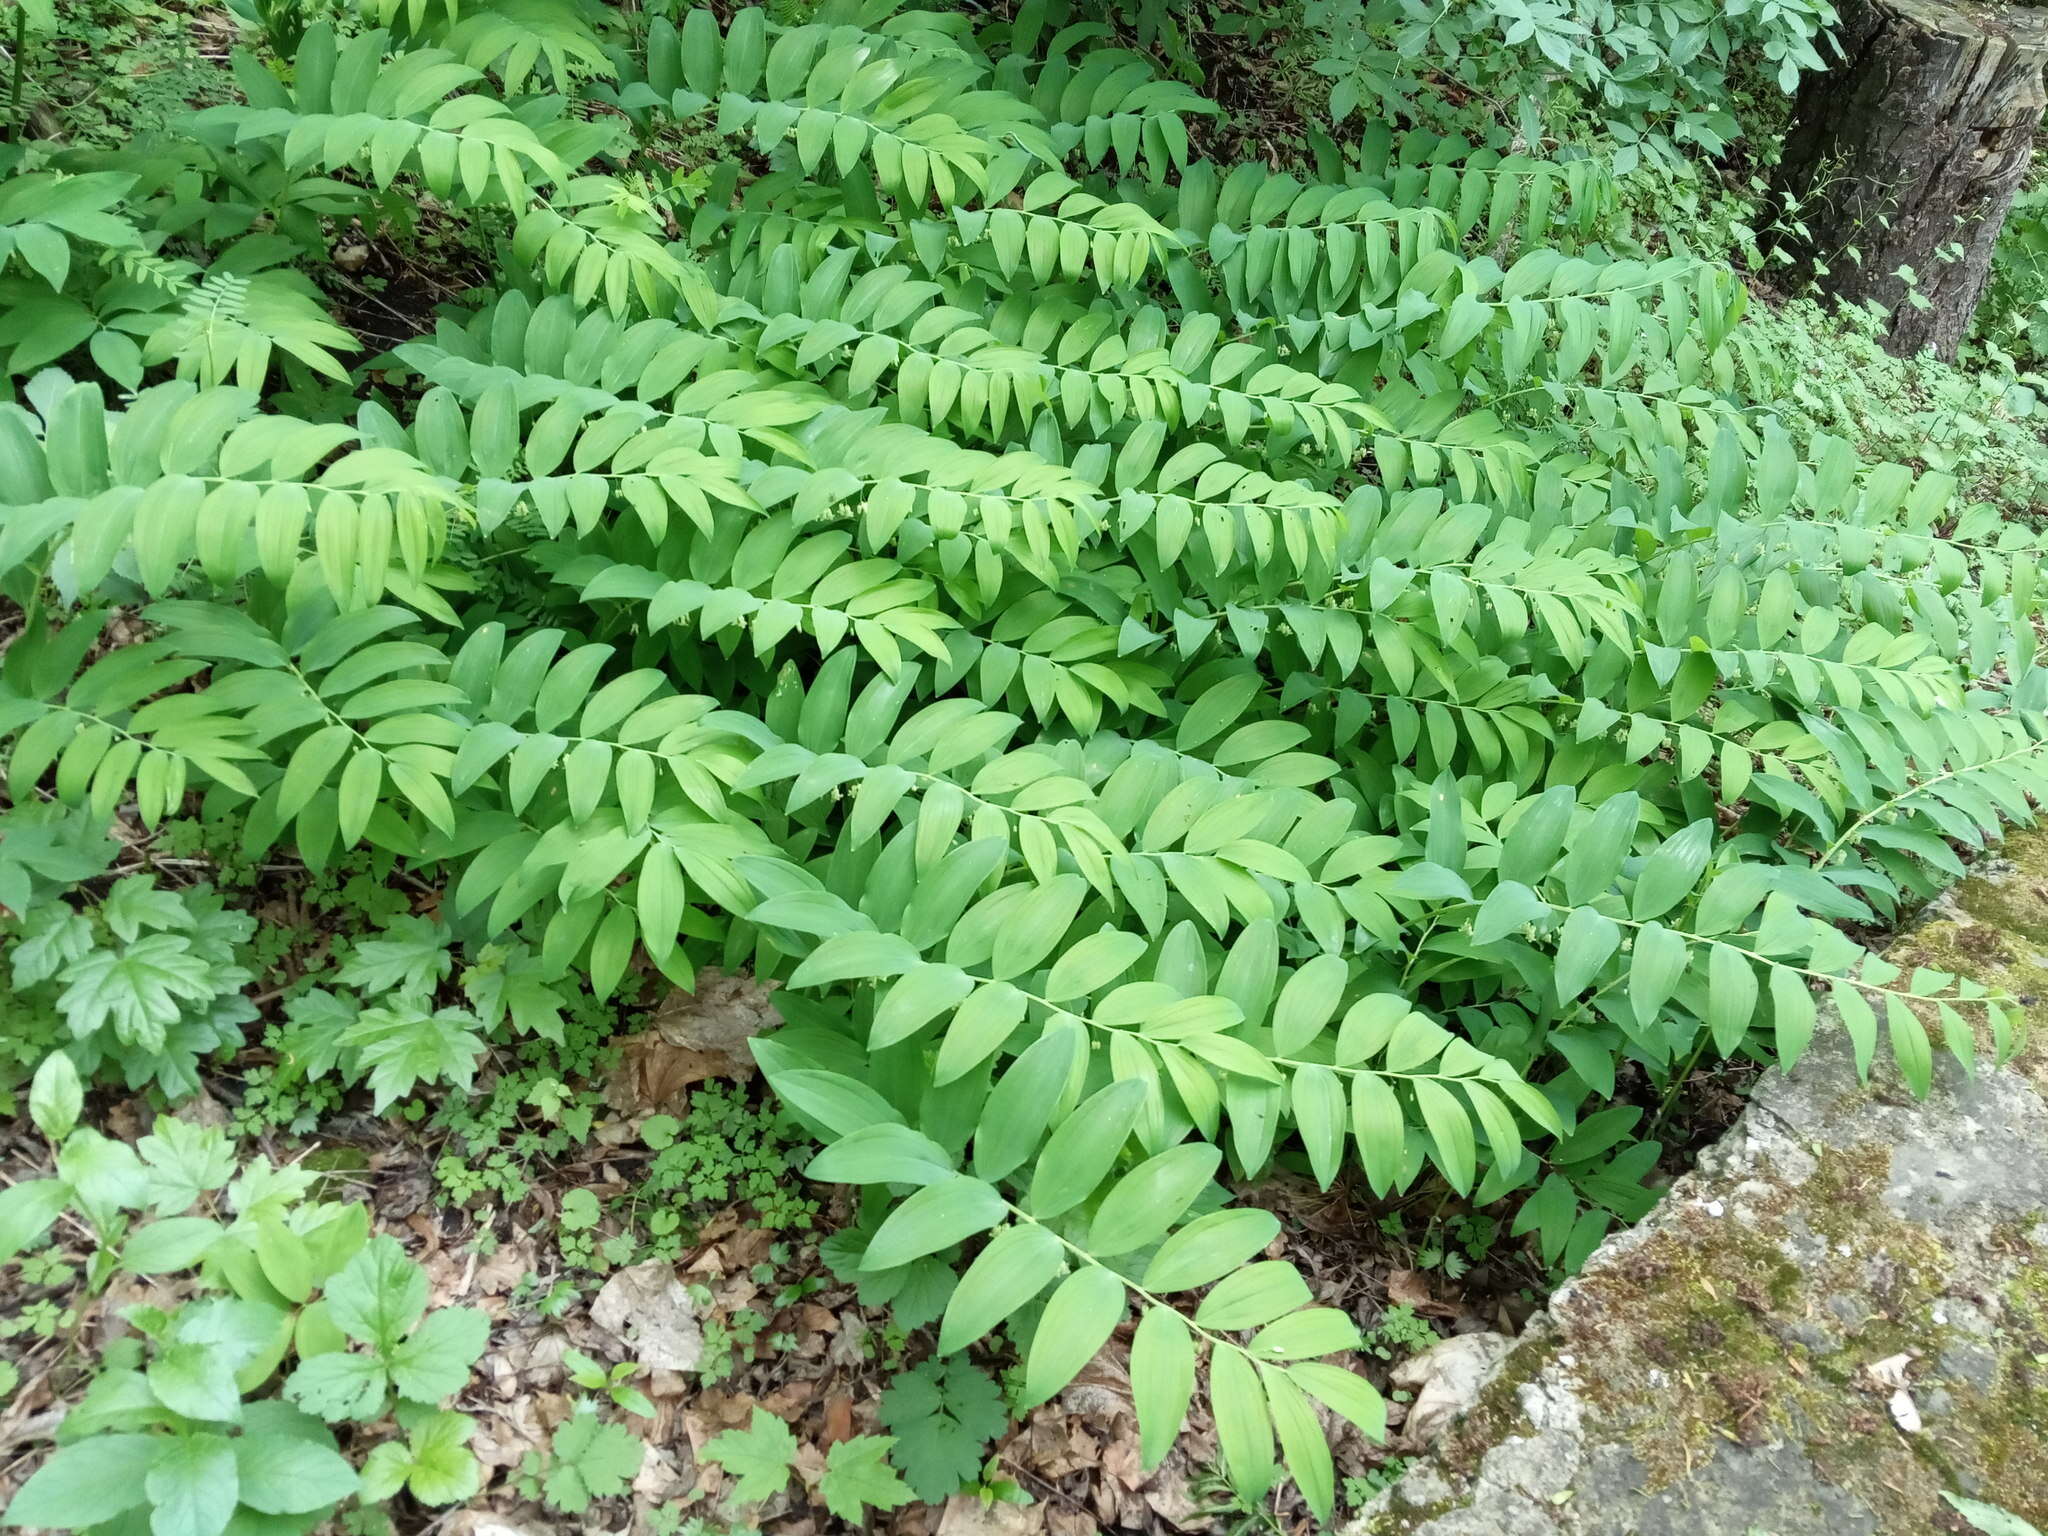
(1910, 152)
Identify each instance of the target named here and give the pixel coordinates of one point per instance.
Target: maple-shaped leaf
(511, 979)
(45, 843)
(317, 1022)
(217, 933)
(758, 1457)
(591, 1460)
(943, 1415)
(185, 1161)
(403, 1046)
(138, 992)
(444, 1469)
(51, 938)
(857, 1478)
(434, 1462)
(135, 903)
(434, 1361)
(411, 955)
(338, 1385)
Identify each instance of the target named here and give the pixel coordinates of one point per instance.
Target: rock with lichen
(1839, 1315)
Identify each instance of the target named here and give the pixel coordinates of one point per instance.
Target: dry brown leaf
(1410, 1288)
(848, 1349)
(716, 1229)
(838, 1420)
(504, 1435)
(1107, 1507)
(1446, 1379)
(500, 1274)
(1102, 1390)
(647, 1308)
(818, 1319)
(667, 1386)
(477, 1522)
(789, 1400)
(1169, 1494)
(1122, 1460)
(809, 1465)
(427, 1230)
(530, 1355)
(749, 1247)
(966, 1515)
(695, 1036)
(668, 1471)
(713, 1413)
(202, 1109)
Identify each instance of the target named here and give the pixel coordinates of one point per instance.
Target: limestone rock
(1838, 1318)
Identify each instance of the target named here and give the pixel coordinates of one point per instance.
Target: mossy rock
(1733, 1364)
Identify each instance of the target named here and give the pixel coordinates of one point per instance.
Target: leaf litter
(1074, 1463)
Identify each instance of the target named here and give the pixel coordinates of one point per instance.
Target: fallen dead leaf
(504, 1435)
(667, 1386)
(712, 1413)
(427, 1230)
(1103, 1388)
(695, 1036)
(848, 1349)
(838, 1420)
(647, 1308)
(667, 1472)
(817, 1318)
(749, 1247)
(967, 1516)
(501, 1272)
(1446, 1380)
(1410, 1288)
(789, 1400)
(1170, 1494)
(1905, 1412)
(202, 1109)
(1122, 1460)
(477, 1522)
(531, 1355)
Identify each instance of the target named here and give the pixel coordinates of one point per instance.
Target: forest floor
(721, 1287)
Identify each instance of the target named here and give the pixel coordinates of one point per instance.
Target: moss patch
(1994, 927)
(1756, 1320)
(1753, 1327)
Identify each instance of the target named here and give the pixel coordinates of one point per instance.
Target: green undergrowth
(1169, 666)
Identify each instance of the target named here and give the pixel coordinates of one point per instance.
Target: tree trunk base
(1909, 155)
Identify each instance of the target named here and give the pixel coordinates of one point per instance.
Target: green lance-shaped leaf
(1077, 1321)
(1162, 1380)
(935, 1217)
(1244, 1423)
(1018, 1263)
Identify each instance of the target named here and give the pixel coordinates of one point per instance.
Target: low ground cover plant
(1173, 666)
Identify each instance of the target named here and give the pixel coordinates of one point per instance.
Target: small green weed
(944, 1414)
(1399, 1332)
(1362, 1490)
(759, 1458)
(587, 1460)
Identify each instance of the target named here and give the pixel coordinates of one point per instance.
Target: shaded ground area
(1840, 1314)
(629, 1192)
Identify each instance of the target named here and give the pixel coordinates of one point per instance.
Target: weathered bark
(1915, 146)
